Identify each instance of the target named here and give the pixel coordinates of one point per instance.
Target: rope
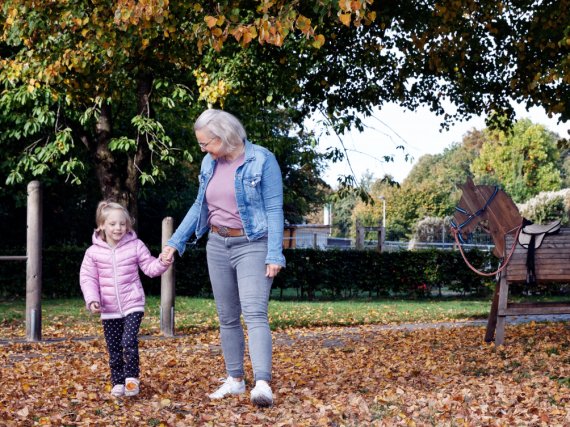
(456, 231)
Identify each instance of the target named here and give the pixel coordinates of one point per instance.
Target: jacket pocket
(252, 187)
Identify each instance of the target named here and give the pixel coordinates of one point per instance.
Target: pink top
(221, 194)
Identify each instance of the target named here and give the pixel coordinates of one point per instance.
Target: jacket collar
(131, 235)
(249, 153)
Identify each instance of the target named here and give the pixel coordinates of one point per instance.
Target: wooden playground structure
(493, 210)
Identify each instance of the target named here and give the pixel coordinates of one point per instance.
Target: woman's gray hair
(223, 125)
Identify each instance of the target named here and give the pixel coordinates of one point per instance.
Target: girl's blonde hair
(103, 209)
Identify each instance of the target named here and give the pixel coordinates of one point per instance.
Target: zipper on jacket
(115, 281)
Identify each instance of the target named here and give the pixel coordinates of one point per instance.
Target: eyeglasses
(205, 144)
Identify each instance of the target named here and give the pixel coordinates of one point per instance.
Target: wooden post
(381, 236)
(501, 309)
(359, 235)
(315, 246)
(167, 293)
(34, 263)
(492, 320)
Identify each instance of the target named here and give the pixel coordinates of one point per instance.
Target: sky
(419, 133)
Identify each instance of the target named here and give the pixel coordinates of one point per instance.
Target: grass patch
(194, 314)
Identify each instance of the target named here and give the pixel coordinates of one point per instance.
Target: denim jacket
(259, 194)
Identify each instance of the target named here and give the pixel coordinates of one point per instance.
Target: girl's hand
(167, 255)
(272, 270)
(94, 307)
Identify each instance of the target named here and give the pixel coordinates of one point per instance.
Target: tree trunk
(115, 183)
(137, 161)
(106, 168)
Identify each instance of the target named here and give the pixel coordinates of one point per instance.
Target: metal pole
(383, 229)
(379, 237)
(34, 263)
(167, 286)
(383, 211)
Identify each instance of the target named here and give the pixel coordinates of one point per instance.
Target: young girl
(111, 286)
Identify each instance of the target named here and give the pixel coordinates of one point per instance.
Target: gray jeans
(237, 272)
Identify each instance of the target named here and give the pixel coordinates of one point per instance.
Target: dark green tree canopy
(115, 84)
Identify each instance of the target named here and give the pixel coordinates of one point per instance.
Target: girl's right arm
(94, 307)
(89, 282)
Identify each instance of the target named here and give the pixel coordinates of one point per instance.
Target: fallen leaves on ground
(322, 377)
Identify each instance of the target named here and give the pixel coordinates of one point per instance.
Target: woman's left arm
(272, 192)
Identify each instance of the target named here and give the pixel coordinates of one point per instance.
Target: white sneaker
(261, 395)
(132, 386)
(229, 386)
(118, 390)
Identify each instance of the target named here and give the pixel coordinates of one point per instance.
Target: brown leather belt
(227, 232)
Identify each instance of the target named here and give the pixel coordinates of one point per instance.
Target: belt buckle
(224, 231)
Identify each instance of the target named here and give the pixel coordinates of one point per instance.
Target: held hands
(272, 270)
(94, 307)
(167, 255)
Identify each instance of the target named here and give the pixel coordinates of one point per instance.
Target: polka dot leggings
(122, 340)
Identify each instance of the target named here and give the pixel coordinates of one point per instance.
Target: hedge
(309, 274)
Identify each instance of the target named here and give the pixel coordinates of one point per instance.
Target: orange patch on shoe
(131, 386)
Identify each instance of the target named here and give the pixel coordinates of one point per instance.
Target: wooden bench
(552, 264)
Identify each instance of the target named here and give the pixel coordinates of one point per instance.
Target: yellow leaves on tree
(358, 8)
(277, 21)
(213, 91)
(132, 12)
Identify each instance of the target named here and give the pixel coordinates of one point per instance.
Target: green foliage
(338, 274)
(523, 161)
(340, 58)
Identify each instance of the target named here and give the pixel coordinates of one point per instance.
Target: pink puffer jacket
(110, 276)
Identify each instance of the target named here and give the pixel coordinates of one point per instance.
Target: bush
(309, 274)
(547, 206)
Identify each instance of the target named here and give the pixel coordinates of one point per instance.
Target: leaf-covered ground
(322, 377)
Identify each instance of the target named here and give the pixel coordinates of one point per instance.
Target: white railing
(324, 242)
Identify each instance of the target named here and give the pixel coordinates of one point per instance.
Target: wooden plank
(551, 259)
(542, 259)
(517, 309)
(521, 278)
(13, 258)
(552, 264)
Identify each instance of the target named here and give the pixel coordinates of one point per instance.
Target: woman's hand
(167, 255)
(272, 270)
(94, 307)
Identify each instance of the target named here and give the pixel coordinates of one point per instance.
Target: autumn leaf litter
(330, 376)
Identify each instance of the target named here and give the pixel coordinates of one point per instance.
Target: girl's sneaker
(118, 390)
(261, 394)
(229, 386)
(132, 386)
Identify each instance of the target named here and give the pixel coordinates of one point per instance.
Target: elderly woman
(240, 204)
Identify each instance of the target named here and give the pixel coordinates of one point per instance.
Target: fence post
(167, 286)
(381, 236)
(359, 235)
(34, 263)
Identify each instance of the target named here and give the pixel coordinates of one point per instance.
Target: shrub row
(309, 274)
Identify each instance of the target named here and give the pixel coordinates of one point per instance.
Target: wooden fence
(33, 260)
